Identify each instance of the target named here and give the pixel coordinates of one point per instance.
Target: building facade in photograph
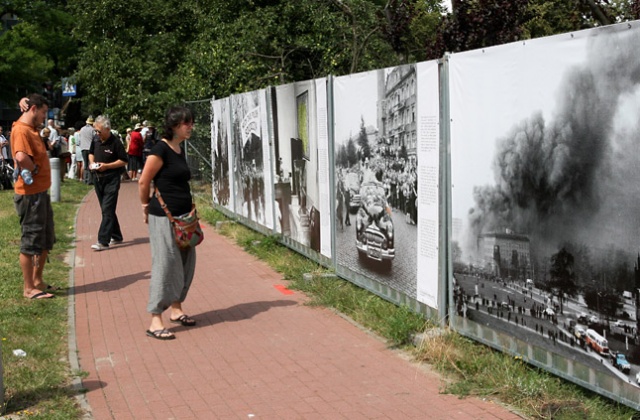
(505, 254)
(397, 112)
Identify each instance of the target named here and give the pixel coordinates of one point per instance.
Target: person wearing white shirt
(145, 128)
(73, 167)
(54, 138)
(84, 138)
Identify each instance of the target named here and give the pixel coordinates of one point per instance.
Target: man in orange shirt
(32, 201)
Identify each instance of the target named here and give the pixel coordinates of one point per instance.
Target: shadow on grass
(31, 400)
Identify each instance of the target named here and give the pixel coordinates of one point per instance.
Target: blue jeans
(107, 188)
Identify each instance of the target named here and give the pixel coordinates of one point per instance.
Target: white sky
(494, 89)
(355, 95)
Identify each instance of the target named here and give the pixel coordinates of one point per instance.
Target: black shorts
(36, 219)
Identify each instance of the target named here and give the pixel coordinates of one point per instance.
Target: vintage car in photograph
(374, 224)
(352, 183)
(620, 362)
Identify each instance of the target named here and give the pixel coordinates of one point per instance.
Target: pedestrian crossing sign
(68, 87)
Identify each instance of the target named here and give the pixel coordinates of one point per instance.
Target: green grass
(468, 367)
(38, 385)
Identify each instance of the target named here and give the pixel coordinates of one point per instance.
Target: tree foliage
(562, 274)
(603, 302)
(363, 141)
(352, 152)
(477, 24)
(173, 51)
(134, 59)
(37, 49)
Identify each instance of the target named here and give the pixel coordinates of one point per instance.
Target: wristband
(144, 206)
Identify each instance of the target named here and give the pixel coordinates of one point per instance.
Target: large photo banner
(300, 150)
(251, 156)
(378, 177)
(545, 204)
(222, 154)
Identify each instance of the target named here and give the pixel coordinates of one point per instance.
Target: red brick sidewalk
(257, 352)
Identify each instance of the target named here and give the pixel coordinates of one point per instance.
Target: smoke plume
(576, 177)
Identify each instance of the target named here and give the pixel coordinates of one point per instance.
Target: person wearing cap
(84, 139)
(136, 146)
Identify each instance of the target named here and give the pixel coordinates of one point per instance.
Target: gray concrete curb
(74, 362)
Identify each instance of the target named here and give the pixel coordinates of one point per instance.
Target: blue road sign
(68, 87)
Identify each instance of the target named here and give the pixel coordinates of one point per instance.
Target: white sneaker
(99, 247)
(115, 241)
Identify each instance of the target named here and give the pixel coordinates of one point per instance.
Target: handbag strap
(164, 205)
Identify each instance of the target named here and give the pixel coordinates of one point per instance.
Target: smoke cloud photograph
(545, 203)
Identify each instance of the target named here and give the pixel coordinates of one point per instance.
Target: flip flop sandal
(162, 334)
(185, 320)
(42, 295)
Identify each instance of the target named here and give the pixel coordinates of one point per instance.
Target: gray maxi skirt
(172, 269)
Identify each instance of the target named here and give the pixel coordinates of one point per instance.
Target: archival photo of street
(251, 158)
(545, 201)
(376, 184)
(221, 153)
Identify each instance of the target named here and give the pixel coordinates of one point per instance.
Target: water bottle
(26, 176)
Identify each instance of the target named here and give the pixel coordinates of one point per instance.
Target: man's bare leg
(32, 268)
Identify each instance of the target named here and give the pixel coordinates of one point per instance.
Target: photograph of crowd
(375, 175)
(249, 160)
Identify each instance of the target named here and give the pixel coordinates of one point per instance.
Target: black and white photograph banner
(251, 157)
(545, 202)
(301, 184)
(376, 178)
(222, 154)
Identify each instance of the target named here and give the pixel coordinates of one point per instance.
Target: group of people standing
(172, 268)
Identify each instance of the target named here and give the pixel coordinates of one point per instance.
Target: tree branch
(598, 13)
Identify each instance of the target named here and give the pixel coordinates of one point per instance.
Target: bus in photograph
(597, 342)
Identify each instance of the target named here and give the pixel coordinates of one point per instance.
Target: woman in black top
(172, 269)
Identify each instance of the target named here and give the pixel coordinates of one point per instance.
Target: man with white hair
(145, 129)
(54, 138)
(107, 158)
